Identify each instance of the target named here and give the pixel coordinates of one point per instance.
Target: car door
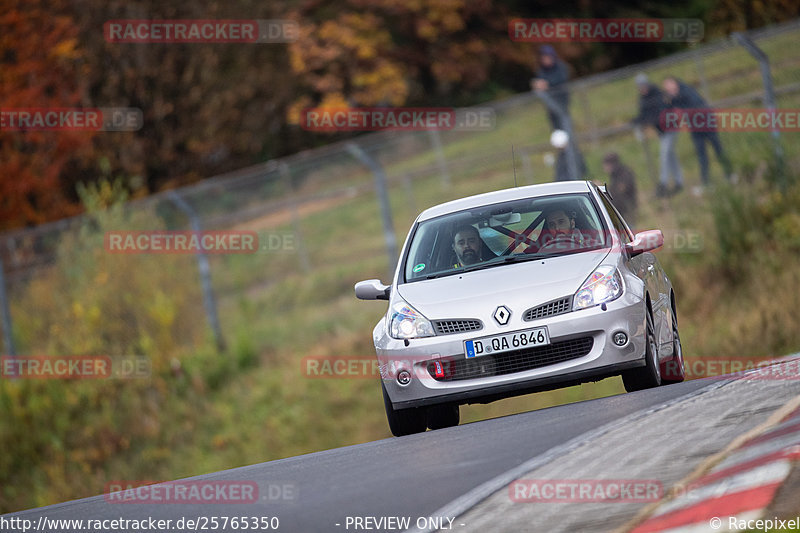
(644, 266)
(658, 287)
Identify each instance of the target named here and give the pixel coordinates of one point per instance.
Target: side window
(616, 220)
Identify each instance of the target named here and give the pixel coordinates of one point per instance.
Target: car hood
(518, 286)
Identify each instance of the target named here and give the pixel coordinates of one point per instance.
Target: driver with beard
(467, 245)
(559, 229)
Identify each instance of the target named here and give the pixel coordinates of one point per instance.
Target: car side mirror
(645, 241)
(372, 289)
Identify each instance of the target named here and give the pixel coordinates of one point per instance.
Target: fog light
(620, 339)
(404, 377)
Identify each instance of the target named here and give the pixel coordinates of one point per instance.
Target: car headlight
(604, 285)
(405, 322)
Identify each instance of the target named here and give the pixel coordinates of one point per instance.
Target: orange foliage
(396, 52)
(39, 68)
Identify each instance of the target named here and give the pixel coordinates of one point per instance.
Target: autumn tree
(208, 108)
(40, 67)
(395, 52)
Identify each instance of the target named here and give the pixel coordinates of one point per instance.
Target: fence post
(571, 149)
(409, 187)
(205, 270)
(769, 96)
(436, 140)
(5, 313)
(286, 174)
(527, 167)
(383, 197)
(590, 120)
(701, 74)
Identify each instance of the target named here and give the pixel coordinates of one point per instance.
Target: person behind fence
(651, 106)
(560, 140)
(622, 186)
(681, 96)
(552, 76)
(467, 245)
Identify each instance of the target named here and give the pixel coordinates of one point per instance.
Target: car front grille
(510, 362)
(448, 327)
(556, 307)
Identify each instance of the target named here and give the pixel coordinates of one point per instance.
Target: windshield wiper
(500, 260)
(505, 261)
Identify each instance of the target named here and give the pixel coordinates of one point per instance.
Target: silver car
(518, 291)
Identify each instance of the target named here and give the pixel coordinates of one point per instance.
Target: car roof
(504, 195)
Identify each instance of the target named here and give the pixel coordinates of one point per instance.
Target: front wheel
(443, 416)
(648, 376)
(674, 370)
(404, 421)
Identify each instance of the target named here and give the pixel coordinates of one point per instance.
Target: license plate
(506, 342)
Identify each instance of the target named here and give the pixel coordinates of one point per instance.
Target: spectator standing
(682, 96)
(552, 76)
(622, 186)
(652, 105)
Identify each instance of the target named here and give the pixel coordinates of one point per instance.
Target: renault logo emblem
(502, 314)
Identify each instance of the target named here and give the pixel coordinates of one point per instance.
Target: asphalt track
(410, 477)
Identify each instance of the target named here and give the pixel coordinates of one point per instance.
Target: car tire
(404, 422)
(674, 370)
(443, 416)
(648, 376)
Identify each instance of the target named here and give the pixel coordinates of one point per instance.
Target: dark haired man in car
(559, 227)
(467, 245)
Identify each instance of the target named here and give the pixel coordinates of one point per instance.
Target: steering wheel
(560, 239)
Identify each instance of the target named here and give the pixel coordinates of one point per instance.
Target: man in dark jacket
(552, 77)
(680, 95)
(651, 107)
(622, 186)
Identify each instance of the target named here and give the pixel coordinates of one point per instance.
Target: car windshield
(504, 233)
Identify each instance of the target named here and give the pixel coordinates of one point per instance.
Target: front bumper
(604, 359)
